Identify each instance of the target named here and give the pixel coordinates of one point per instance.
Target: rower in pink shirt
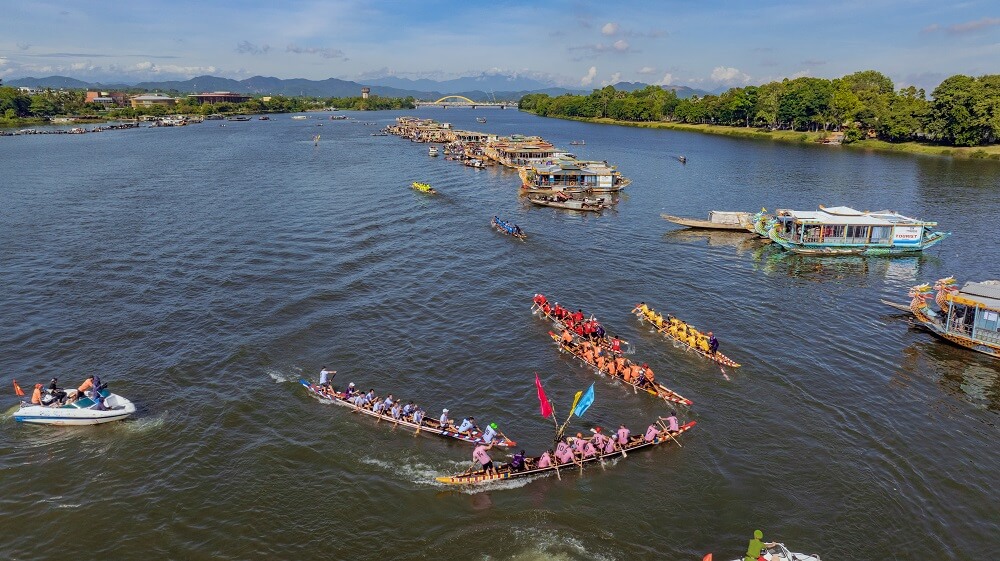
(651, 433)
(623, 434)
(480, 455)
(588, 449)
(545, 460)
(672, 425)
(564, 454)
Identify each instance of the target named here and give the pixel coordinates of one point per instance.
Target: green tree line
(961, 111)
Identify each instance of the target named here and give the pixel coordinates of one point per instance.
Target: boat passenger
(517, 462)
(623, 435)
(545, 460)
(616, 344)
(467, 425)
(567, 338)
(480, 455)
(518, 231)
(578, 316)
(713, 343)
(642, 307)
(600, 361)
(564, 453)
(755, 550)
(651, 433)
(408, 409)
(444, 419)
(648, 374)
(672, 424)
(703, 344)
(546, 308)
(387, 403)
(490, 433)
(599, 332)
(350, 391)
(612, 368)
(56, 393)
(396, 411)
(87, 384)
(36, 396)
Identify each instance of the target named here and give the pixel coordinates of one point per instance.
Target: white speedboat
(80, 412)
(780, 553)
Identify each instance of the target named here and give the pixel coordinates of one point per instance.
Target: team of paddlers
(677, 329)
(588, 329)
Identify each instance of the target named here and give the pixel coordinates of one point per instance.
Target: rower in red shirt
(578, 316)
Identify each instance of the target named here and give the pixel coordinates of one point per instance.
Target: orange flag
(17, 389)
(707, 557)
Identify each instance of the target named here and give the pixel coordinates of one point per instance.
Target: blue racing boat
(508, 228)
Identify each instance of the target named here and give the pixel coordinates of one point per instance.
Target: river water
(203, 270)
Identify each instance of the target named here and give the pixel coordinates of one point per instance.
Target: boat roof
(847, 215)
(571, 166)
(986, 293)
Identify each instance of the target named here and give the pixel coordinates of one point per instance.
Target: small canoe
(79, 412)
(424, 188)
(717, 220)
(504, 472)
(656, 389)
(587, 205)
(717, 358)
(431, 426)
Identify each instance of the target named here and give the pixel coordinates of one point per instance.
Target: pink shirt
(564, 453)
(480, 455)
(623, 436)
(672, 423)
(651, 433)
(599, 440)
(610, 446)
(588, 449)
(545, 461)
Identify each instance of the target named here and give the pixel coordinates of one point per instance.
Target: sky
(708, 44)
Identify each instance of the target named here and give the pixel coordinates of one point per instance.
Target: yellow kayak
(424, 188)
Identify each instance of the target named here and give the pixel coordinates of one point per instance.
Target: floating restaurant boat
(673, 333)
(845, 231)
(432, 426)
(432, 151)
(969, 317)
(423, 188)
(83, 411)
(504, 472)
(567, 203)
(717, 220)
(508, 228)
(566, 173)
(778, 552)
(655, 389)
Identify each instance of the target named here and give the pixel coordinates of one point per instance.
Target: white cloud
(615, 78)
(667, 80)
(610, 28)
(589, 78)
(323, 52)
(645, 70)
(621, 45)
(729, 75)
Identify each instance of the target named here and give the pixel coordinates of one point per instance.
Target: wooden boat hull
(704, 224)
(717, 358)
(569, 205)
(504, 473)
(660, 391)
(339, 399)
(965, 342)
(499, 228)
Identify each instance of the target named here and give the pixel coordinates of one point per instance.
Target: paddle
(600, 452)
(666, 430)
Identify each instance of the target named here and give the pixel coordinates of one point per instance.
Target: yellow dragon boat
(666, 329)
(424, 188)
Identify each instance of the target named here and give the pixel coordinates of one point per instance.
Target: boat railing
(988, 336)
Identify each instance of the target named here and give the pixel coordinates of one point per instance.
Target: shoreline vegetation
(960, 119)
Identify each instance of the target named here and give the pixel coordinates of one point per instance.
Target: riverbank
(927, 149)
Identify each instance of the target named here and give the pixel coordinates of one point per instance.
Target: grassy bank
(980, 152)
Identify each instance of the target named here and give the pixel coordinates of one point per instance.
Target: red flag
(17, 389)
(546, 406)
(707, 557)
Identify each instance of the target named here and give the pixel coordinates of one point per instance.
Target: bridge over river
(462, 101)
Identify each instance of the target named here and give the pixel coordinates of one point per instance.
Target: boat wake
(145, 424)
(280, 378)
(424, 475)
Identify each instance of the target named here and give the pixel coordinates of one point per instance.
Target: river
(203, 270)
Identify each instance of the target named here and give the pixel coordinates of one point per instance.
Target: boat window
(811, 234)
(988, 325)
(881, 234)
(857, 234)
(833, 233)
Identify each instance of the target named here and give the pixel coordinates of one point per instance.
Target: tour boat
(596, 177)
(79, 412)
(300, 117)
(968, 317)
(845, 231)
(778, 552)
(717, 220)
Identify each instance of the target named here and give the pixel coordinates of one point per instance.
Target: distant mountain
(54, 82)
(483, 82)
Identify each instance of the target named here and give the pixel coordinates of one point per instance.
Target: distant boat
(564, 202)
(300, 117)
(238, 118)
(264, 118)
(423, 188)
(214, 117)
(578, 142)
(480, 119)
(717, 220)
(432, 151)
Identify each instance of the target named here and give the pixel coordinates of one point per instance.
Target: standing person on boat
(755, 550)
(616, 344)
(326, 376)
(444, 421)
(713, 343)
(517, 231)
(467, 425)
(480, 455)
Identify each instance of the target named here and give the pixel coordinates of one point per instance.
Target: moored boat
(432, 151)
(508, 228)
(504, 472)
(560, 200)
(568, 172)
(82, 411)
(970, 319)
(682, 333)
(480, 119)
(717, 220)
(423, 188)
(846, 231)
(432, 426)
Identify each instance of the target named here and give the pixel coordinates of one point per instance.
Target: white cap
(351, 385)
(444, 410)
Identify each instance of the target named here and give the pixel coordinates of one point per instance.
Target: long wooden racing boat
(504, 472)
(605, 341)
(423, 188)
(431, 426)
(717, 358)
(717, 220)
(508, 228)
(656, 389)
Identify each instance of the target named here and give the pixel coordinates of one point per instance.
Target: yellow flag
(576, 399)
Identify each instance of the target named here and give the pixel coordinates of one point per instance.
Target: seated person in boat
(396, 410)
(351, 391)
(713, 343)
(623, 436)
(600, 361)
(518, 462)
(651, 433)
(546, 309)
(54, 394)
(567, 338)
(468, 424)
(564, 453)
(444, 422)
(672, 424)
(642, 307)
(599, 441)
(518, 231)
(36, 396)
(408, 409)
(578, 316)
(539, 300)
(490, 433)
(418, 415)
(480, 455)
(703, 344)
(379, 407)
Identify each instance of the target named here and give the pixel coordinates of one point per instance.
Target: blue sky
(706, 44)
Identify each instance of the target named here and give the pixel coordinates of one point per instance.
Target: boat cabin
(845, 226)
(974, 312)
(555, 174)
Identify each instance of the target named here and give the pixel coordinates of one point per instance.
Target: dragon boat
(717, 357)
(605, 341)
(508, 228)
(423, 188)
(432, 426)
(504, 472)
(845, 231)
(969, 318)
(655, 389)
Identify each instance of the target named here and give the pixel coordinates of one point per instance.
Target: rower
(397, 410)
(408, 409)
(467, 425)
(567, 338)
(480, 455)
(713, 343)
(350, 391)
(490, 433)
(642, 307)
(623, 435)
(517, 230)
(578, 316)
(648, 374)
(387, 403)
(651, 433)
(599, 332)
(444, 419)
(616, 344)
(599, 360)
(546, 308)
(564, 454)
(599, 440)
(325, 376)
(539, 299)
(672, 424)
(418, 415)
(517, 462)
(703, 344)
(658, 321)
(545, 460)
